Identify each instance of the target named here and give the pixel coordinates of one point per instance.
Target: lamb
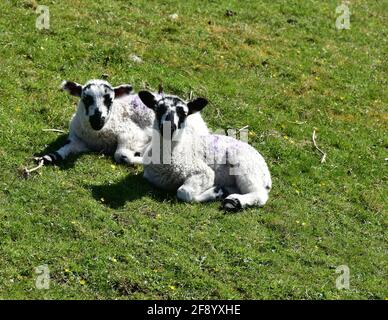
(201, 168)
(109, 120)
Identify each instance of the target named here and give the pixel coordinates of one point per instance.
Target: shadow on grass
(114, 195)
(69, 162)
(130, 188)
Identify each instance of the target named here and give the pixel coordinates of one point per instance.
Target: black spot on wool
(88, 86)
(108, 87)
(108, 101)
(176, 100)
(181, 115)
(87, 101)
(160, 112)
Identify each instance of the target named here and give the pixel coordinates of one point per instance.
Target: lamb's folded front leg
(200, 188)
(73, 145)
(214, 193)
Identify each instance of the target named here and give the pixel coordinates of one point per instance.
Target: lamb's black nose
(166, 126)
(97, 121)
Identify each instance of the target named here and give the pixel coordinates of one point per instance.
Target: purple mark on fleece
(213, 152)
(139, 106)
(139, 113)
(221, 147)
(214, 141)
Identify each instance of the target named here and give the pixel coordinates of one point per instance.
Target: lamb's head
(96, 99)
(171, 110)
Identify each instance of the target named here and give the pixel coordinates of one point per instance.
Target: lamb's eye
(160, 111)
(181, 115)
(107, 100)
(181, 112)
(88, 100)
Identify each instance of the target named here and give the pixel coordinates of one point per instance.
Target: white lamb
(201, 168)
(110, 120)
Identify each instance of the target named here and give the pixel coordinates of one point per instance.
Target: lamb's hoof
(51, 158)
(231, 205)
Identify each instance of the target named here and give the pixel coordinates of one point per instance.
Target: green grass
(280, 67)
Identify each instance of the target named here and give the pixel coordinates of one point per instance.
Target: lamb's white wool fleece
(110, 120)
(203, 168)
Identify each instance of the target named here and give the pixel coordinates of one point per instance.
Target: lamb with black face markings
(109, 120)
(201, 167)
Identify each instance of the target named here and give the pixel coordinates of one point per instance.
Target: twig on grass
(243, 128)
(297, 122)
(218, 113)
(27, 172)
(54, 130)
(323, 159)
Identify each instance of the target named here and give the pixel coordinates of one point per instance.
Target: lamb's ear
(73, 88)
(122, 90)
(197, 105)
(148, 99)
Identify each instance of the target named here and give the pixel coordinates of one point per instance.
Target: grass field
(280, 67)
